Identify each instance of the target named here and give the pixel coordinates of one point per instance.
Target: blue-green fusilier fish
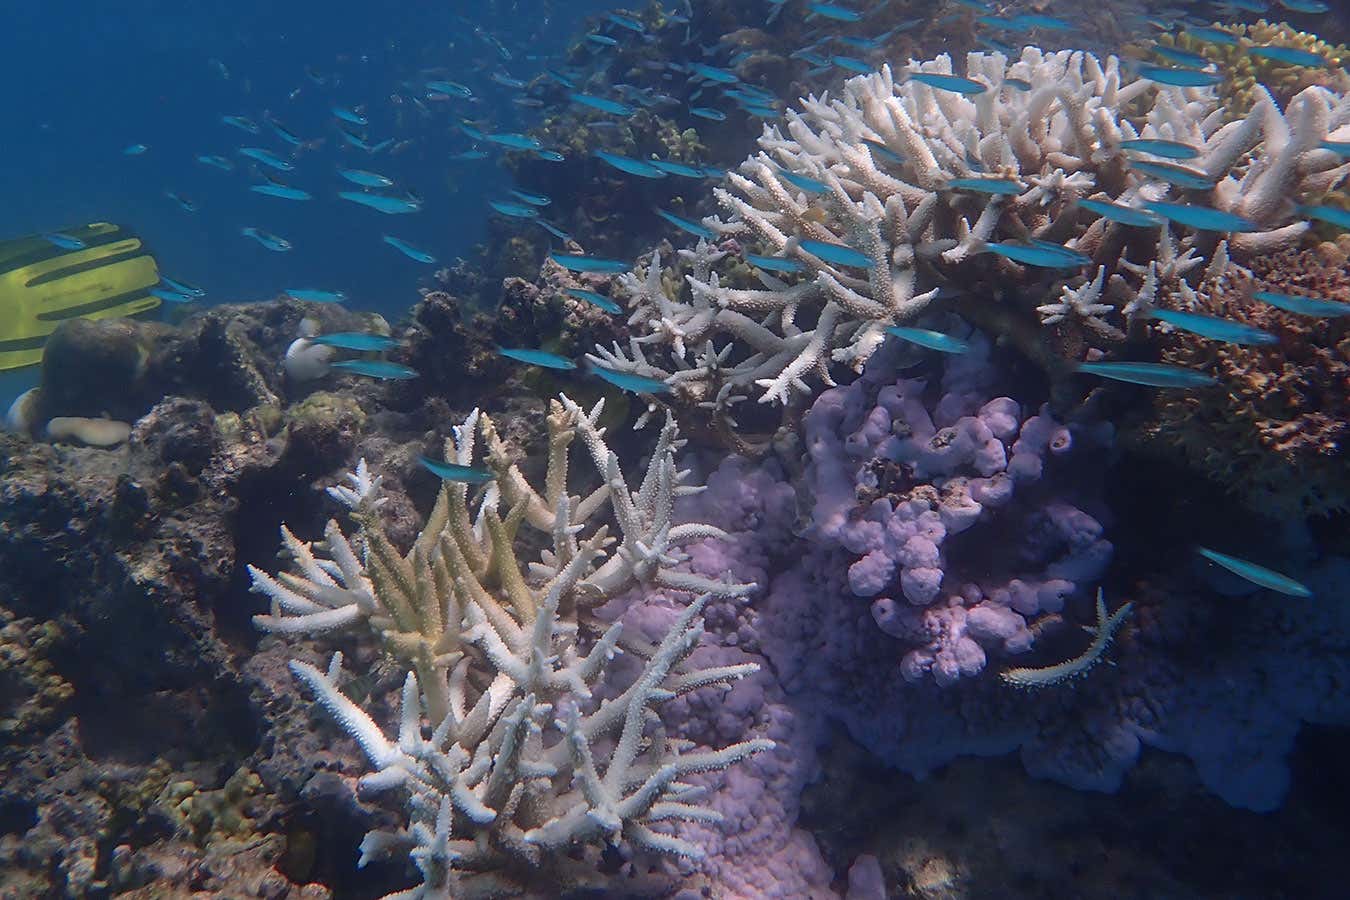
(883, 151)
(182, 287)
(514, 210)
(1341, 148)
(852, 64)
(1045, 256)
(1179, 77)
(1160, 147)
(712, 73)
(1004, 186)
(574, 262)
(627, 381)
(1212, 35)
(1288, 55)
(375, 368)
(513, 141)
(366, 179)
(134, 149)
(676, 168)
(169, 296)
(553, 229)
(1125, 215)
(933, 340)
(314, 295)
(832, 11)
(217, 162)
(527, 197)
(707, 112)
(64, 241)
(594, 299)
(1330, 214)
(408, 250)
(629, 165)
(1178, 175)
(810, 185)
(1181, 57)
(691, 227)
(270, 241)
(1306, 6)
(1201, 218)
(1214, 328)
(349, 115)
(267, 158)
(382, 202)
(836, 254)
(355, 340)
(1150, 374)
(601, 104)
(242, 123)
(775, 263)
(1257, 575)
(284, 191)
(537, 358)
(449, 88)
(1303, 306)
(953, 83)
(449, 471)
(550, 155)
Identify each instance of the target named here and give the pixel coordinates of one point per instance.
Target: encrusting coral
(509, 767)
(884, 203)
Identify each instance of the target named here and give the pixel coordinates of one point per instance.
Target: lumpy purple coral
(899, 467)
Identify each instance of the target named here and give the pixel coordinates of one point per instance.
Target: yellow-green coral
(1243, 72)
(32, 692)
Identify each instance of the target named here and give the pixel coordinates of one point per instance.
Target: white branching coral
(915, 183)
(364, 488)
(513, 773)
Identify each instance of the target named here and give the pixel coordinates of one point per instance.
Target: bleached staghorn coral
(511, 771)
(879, 160)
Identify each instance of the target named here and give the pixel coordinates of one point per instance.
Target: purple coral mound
(901, 467)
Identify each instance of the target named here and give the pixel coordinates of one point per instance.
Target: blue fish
(64, 241)
(356, 340)
(1160, 147)
(514, 210)
(1312, 7)
(1017, 84)
(449, 471)
(507, 81)
(712, 73)
(449, 88)
(933, 340)
(837, 254)
(1150, 374)
(315, 295)
(595, 299)
(1330, 214)
(630, 166)
(470, 155)
(1214, 328)
(348, 115)
(1303, 306)
(284, 191)
(852, 64)
(627, 381)
(382, 202)
(527, 197)
(574, 262)
(553, 230)
(1181, 57)
(284, 133)
(267, 158)
(1178, 175)
(549, 155)
(1341, 148)
(1040, 255)
(1003, 186)
(1288, 55)
(602, 104)
(676, 168)
(538, 358)
(183, 287)
(513, 141)
(1201, 218)
(603, 40)
(1257, 575)
(218, 162)
(375, 368)
(134, 149)
(184, 203)
(242, 123)
(408, 250)
(366, 179)
(810, 185)
(1212, 35)
(953, 83)
(1180, 77)
(270, 241)
(775, 263)
(623, 21)
(687, 225)
(1125, 215)
(883, 151)
(707, 112)
(1033, 20)
(835, 12)
(169, 296)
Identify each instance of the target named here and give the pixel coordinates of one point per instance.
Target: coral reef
(522, 770)
(1277, 436)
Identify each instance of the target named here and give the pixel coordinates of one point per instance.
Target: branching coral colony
(881, 205)
(514, 775)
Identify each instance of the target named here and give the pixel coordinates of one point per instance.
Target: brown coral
(1277, 435)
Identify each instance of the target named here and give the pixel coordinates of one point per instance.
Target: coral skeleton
(514, 773)
(881, 159)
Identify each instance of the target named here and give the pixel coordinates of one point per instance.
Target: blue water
(84, 81)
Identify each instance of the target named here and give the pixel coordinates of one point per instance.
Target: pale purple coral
(897, 470)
